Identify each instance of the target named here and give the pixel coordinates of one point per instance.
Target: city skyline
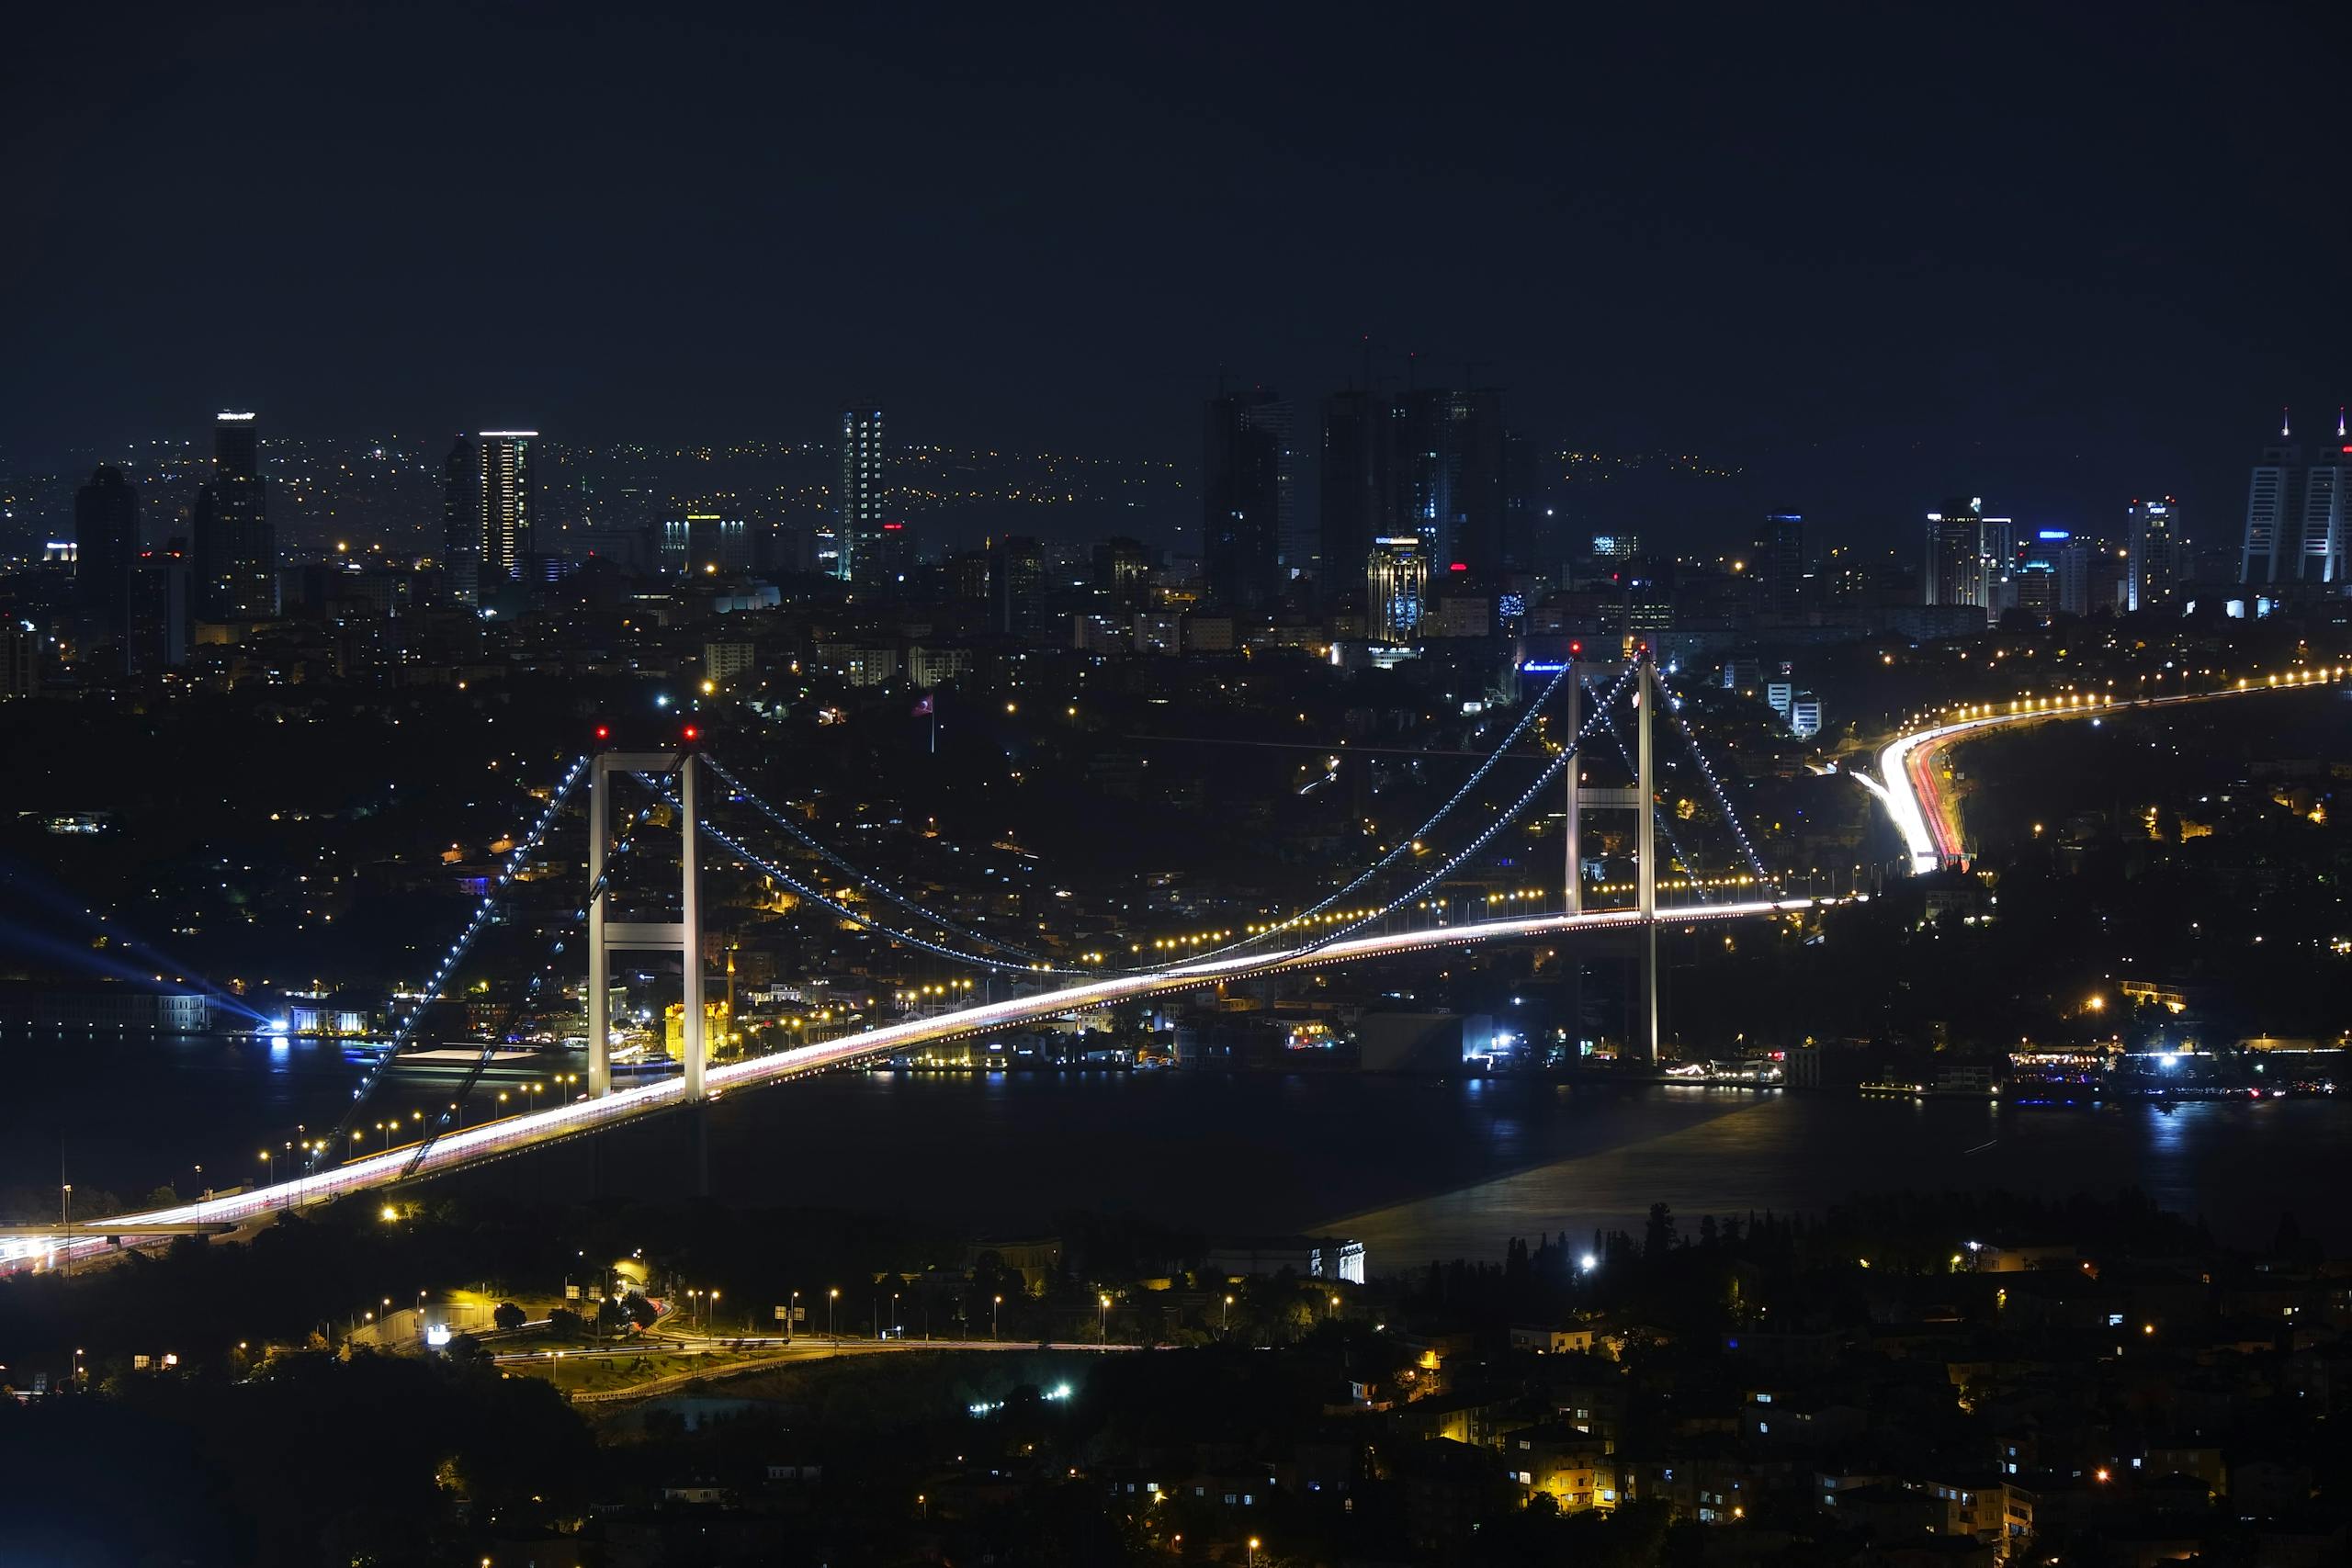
(1934, 273)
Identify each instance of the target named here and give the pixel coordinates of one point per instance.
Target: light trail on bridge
(1907, 765)
(532, 1130)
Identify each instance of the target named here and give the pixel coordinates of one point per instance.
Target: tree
(509, 1316)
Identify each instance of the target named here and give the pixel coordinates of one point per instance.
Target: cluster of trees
(378, 1459)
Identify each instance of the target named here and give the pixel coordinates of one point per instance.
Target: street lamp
(1103, 1334)
(832, 1296)
(709, 1305)
(1251, 1560)
(1335, 1305)
(894, 1314)
(993, 1312)
(1224, 1315)
(791, 1312)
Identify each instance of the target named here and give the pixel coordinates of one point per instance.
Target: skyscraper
(1780, 564)
(1395, 590)
(2157, 555)
(2271, 510)
(235, 548)
(510, 503)
(1449, 450)
(1244, 481)
(461, 520)
(1016, 586)
(857, 526)
(1434, 462)
(106, 542)
(1955, 572)
(2327, 509)
(703, 543)
(1358, 485)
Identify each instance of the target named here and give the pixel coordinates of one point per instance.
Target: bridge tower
(683, 936)
(1641, 801)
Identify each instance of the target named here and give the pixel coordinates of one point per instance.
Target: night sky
(2057, 256)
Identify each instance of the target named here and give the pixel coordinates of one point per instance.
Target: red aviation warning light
(691, 733)
(604, 732)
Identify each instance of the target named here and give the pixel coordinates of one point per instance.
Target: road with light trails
(777, 1354)
(1907, 766)
(516, 1135)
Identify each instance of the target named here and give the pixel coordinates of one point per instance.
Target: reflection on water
(2237, 1165)
(1416, 1169)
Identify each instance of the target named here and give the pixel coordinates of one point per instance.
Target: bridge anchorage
(1369, 927)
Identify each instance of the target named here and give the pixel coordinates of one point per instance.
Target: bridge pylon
(1641, 800)
(682, 936)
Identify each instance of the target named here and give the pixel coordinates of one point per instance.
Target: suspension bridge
(675, 785)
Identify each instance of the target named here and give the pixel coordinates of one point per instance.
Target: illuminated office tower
(857, 525)
(1781, 567)
(1395, 588)
(236, 550)
(2271, 510)
(1955, 572)
(2326, 502)
(2156, 558)
(510, 502)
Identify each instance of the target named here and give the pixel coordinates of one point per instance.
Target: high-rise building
(2327, 509)
(235, 547)
(1357, 471)
(1245, 484)
(159, 611)
(2270, 508)
(2157, 558)
(2298, 513)
(1781, 563)
(2075, 558)
(1434, 462)
(1396, 589)
(857, 522)
(461, 520)
(1450, 452)
(106, 542)
(19, 662)
(510, 503)
(1016, 586)
(2000, 557)
(703, 543)
(1955, 572)
(2036, 582)
(1121, 567)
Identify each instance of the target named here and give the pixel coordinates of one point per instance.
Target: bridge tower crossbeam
(682, 936)
(1639, 800)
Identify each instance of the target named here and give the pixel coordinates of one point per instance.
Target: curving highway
(516, 1135)
(1909, 767)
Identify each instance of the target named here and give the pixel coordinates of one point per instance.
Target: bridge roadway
(1908, 763)
(516, 1135)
